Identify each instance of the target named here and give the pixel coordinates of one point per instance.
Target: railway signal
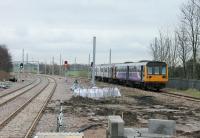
(21, 65)
(66, 65)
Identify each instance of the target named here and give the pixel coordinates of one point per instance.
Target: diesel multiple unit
(144, 74)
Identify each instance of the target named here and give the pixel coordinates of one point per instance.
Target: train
(142, 74)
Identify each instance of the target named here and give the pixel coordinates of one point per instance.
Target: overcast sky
(46, 28)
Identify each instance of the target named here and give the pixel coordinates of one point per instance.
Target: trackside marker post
(93, 65)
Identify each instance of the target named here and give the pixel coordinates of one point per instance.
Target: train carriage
(146, 74)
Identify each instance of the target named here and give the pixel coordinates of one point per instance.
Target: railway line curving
(23, 120)
(14, 94)
(17, 89)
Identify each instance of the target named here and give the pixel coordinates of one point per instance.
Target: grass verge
(190, 92)
(81, 73)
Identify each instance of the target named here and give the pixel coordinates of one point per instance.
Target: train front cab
(156, 75)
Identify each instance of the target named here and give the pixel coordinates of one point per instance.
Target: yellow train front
(155, 75)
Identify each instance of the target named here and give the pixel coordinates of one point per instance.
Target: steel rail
(186, 97)
(39, 115)
(17, 89)
(1, 104)
(11, 116)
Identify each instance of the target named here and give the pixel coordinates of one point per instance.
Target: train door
(111, 72)
(127, 73)
(114, 72)
(141, 73)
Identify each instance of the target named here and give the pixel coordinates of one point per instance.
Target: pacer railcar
(144, 74)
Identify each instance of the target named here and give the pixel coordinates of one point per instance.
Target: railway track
(9, 106)
(17, 89)
(39, 115)
(18, 92)
(189, 98)
(170, 94)
(22, 121)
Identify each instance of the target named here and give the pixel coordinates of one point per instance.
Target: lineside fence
(183, 84)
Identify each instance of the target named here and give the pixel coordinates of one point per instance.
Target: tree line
(5, 59)
(180, 49)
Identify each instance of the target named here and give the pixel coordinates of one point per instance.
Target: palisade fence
(183, 84)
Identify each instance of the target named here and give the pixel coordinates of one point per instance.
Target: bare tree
(160, 47)
(172, 59)
(191, 20)
(183, 48)
(5, 59)
(154, 49)
(164, 48)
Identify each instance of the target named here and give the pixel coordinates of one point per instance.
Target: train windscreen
(156, 68)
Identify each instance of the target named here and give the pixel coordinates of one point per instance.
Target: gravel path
(62, 93)
(72, 121)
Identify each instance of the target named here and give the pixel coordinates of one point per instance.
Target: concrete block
(142, 133)
(166, 127)
(59, 135)
(115, 126)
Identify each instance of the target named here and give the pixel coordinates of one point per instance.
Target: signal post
(66, 66)
(21, 67)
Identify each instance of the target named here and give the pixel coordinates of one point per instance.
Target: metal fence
(183, 84)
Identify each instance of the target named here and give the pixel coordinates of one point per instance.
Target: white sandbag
(97, 93)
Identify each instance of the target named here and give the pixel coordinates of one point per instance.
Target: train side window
(156, 70)
(150, 70)
(163, 70)
(131, 69)
(135, 68)
(124, 69)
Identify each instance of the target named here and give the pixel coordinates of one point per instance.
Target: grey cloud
(49, 27)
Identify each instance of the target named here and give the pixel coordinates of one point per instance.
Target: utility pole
(109, 69)
(93, 65)
(26, 58)
(89, 67)
(23, 56)
(26, 62)
(53, 66)
(22, 69)
(75, 64)
(110, 57)
(60, 65)
(38, 72)
(45, 68)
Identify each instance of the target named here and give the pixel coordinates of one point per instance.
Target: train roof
(143, 62)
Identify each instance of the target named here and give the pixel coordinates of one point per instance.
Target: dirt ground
(136, 106)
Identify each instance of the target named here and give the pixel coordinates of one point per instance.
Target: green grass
(82, 73)
(189, 92)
